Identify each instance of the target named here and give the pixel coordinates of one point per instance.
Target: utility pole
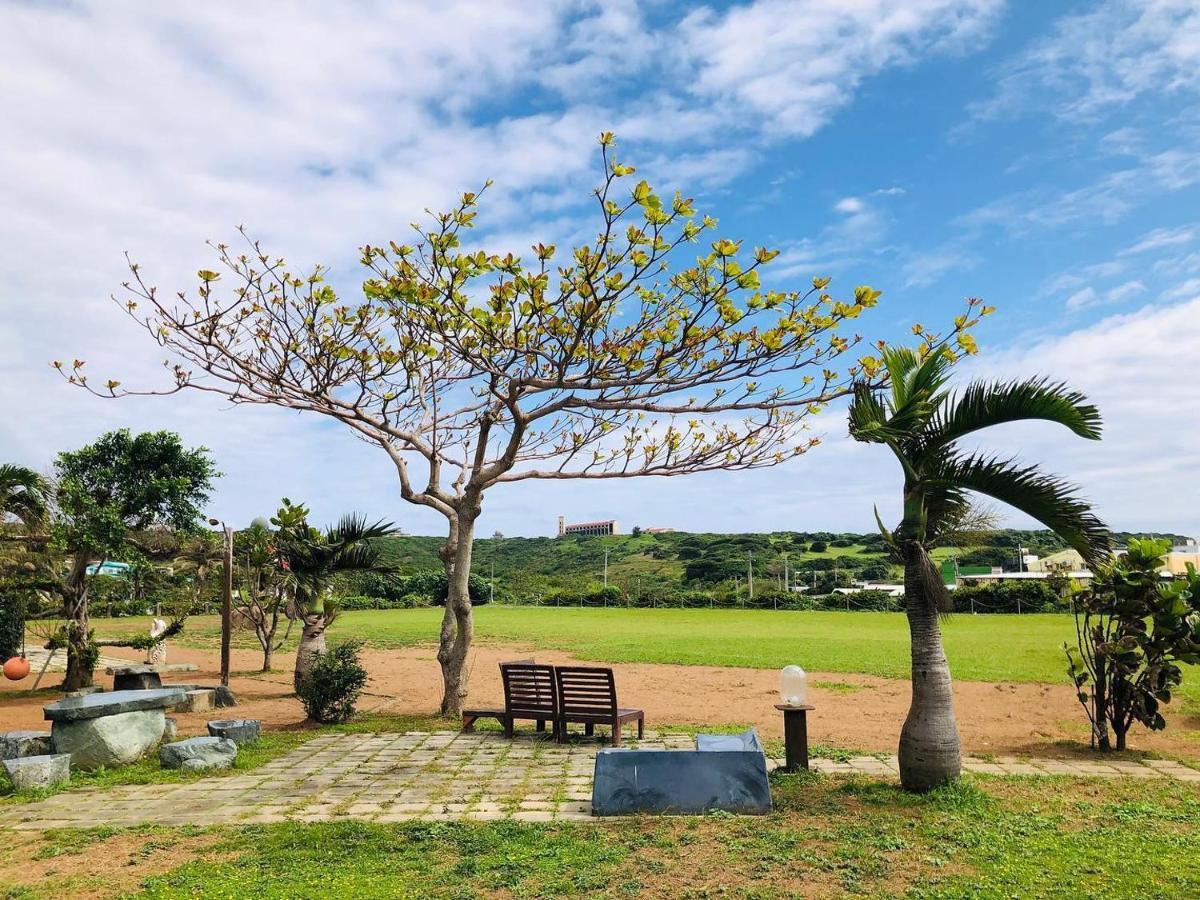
(750, 576)
(606, 571)
(787, 585)
(226, 600)
(492, 578)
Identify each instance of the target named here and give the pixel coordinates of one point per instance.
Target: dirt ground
(852, 711)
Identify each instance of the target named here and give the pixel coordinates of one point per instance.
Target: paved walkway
(441, 775)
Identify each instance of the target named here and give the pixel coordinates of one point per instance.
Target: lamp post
(226, 600)
(793, 696)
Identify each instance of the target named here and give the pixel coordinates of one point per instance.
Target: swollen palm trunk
(930, 750)
(312, 644)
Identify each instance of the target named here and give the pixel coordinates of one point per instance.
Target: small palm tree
(921, 422)
(312, 559)
(24, 496)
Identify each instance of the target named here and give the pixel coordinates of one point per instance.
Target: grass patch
(984, 837)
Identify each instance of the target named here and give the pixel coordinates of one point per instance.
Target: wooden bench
(588, 695)
(529, 693)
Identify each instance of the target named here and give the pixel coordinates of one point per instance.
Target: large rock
(18, 744)
(198, 753)
(113, 740)
(223, 697)
(240, 731)
(33, 772)
(95, 706)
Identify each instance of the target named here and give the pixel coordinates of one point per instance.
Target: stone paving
(440, 775)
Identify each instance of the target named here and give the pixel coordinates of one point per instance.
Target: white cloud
(1101, 59)
(1083, 298)
(1088, 296)
(849, 205)
(1162, 237)
(794, 64)
(1189, 288)
(923, 268)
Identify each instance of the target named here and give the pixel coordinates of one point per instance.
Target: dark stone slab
(680, 782)
(95, 706)
(240, 731)
(19, 744)
(124, 680)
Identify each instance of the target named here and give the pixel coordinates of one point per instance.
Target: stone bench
(30, 773)
(110, 729)
(143, 676)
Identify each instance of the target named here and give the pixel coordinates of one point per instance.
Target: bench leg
(508, 726)
(641, 727)
(589, 729)
(562, 731)
(616, 733)
(468, 723)
(541, 724)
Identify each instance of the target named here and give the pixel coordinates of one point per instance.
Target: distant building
(658, 530)
(608, 526)
(1181, 555)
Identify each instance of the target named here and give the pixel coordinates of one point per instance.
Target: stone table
(110, 729)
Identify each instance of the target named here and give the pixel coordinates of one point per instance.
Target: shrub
(1007, 597)
(333, 686)
(818, 547)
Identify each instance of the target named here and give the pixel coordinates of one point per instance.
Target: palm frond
(23, 495)
(983, 404)
(1048, 499)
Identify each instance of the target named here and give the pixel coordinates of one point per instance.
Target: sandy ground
(852, 711)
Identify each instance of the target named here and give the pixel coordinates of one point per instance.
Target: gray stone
(222, 696)
(114, 740)
(240, 731)
(171, 729)
(95, 706)
(198, 753)
(196, 701)
(33, 772)
(17, 744)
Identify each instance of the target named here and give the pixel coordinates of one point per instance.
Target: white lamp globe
(793, 686)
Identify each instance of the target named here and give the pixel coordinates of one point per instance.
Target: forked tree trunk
(312, 644)
(930, 749)
(80, 653)
(458, 625)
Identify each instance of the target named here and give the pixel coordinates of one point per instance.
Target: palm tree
(313, 559)
(23, 496)
(921, 422)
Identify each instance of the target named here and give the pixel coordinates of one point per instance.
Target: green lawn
(980, 647)
(985, 838)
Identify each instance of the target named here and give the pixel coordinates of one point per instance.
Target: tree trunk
(312, 644)
(458, 626)
(930, 749)
(80, 654)
(267, 651)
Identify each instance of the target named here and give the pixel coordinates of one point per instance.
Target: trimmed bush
(334, 685)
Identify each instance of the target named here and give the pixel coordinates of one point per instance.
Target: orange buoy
(16, 668)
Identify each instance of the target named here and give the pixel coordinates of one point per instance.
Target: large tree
(472, 369)
(922, 422)
(114, 496)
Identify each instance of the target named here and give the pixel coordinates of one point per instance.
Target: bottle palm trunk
(930, 750)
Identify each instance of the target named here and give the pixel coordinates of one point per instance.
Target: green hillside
(677, 560)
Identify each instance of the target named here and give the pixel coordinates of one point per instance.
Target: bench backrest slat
(529, 688)
(586, 690)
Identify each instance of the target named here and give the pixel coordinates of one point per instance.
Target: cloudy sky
(1043, 156)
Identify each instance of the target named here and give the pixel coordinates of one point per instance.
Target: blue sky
(1043, 156)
